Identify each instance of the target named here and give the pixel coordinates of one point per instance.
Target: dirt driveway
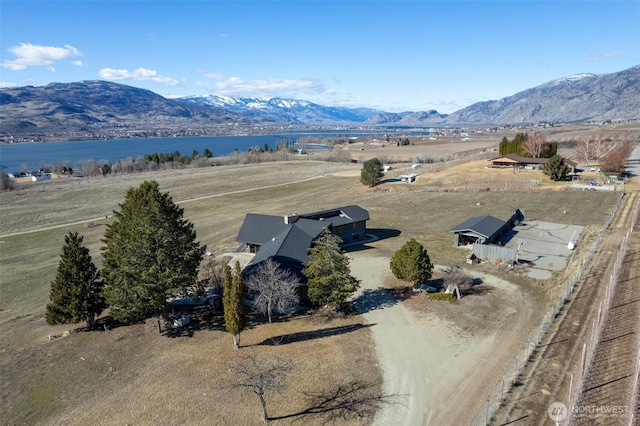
(436, 375)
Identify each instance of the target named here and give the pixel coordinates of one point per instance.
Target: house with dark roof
(483, 229)
(515, 160)
(287, 239)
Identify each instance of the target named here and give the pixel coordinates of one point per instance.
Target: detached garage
(479, 229)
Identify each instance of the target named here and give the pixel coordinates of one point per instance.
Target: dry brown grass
(132, 374)
(141, 377)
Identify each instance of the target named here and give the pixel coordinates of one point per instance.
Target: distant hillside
(290, 111)
(94, 106)
(577, 98)
(407, 118)
(102, 108)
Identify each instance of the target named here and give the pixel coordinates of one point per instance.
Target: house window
(356, 225)
(339, 229)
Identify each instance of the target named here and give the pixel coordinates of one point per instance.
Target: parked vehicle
(424, 287)
(208, 298)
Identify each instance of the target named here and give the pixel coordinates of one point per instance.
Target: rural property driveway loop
(427, 366)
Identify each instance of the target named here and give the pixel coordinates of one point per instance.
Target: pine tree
(328, 273)
(411, 263)
(235, 313)
(150, 253)
(76, 291)
(372, 172)
(555, 168)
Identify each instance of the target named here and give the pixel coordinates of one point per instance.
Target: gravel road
(428, 368)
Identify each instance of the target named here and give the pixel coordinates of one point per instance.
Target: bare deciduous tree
(259, 374)
(6, 184)
(273, 288)
(614, 161)
(454, 276)
(584, 148)
(601, 146)
(535, 145)
(212, 271)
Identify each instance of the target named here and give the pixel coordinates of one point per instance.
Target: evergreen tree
(328, 274)
(555, 168)
(372, 172)
(503, 146)
(150, 253)
(235, 313)
(76, 291)
(411, 263)
(520, 138)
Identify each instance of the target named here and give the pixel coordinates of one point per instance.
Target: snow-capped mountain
(570, 79)
(292, 111)
(577, 98)
(100, 107)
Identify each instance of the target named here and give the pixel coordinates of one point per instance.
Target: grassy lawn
(134, 375)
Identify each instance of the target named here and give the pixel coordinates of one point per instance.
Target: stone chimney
(291, 219)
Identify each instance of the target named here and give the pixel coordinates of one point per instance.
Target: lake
(34, 155)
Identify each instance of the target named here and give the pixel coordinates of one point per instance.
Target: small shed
(472, 259)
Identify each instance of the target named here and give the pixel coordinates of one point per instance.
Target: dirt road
(436, 375)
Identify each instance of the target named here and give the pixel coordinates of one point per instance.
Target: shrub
(448, 297)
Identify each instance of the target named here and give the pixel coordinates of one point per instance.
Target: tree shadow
(353, 400)
(303, 336)
(200, 318)
(384, 233)
(373, 235)
(370, 300)
(436, 283)
(479, 290)
(104, 323)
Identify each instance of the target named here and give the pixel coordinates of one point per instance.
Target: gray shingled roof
(339, 216)
(260, 228)
(482, 225)
(289, 243)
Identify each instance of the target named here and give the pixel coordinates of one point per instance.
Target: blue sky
(391, 55)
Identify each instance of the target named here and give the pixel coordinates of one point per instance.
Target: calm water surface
(32, 156)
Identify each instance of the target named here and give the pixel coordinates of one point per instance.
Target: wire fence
(635, 392)
(481, 185)
(510, 378)
(597, 329)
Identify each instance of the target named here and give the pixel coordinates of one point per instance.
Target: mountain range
(101, 107)
(279, 110)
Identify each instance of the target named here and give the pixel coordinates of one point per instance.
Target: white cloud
(602, 56)
(4, 84)
(237, 86)
(211, 75)
(139, 74)
(31, 55)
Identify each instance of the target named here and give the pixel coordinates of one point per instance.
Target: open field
(148, 377)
